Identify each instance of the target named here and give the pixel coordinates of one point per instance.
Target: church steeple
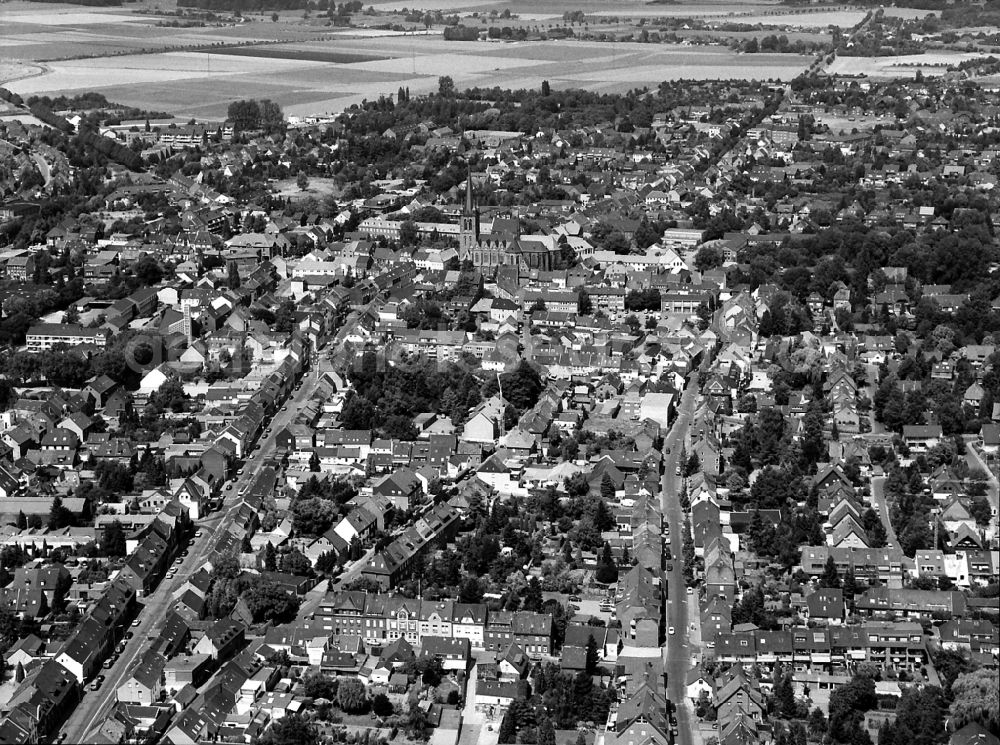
(469, 206)
(468, 234)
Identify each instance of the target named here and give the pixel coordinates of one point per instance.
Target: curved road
(43, 168)
(882, 506)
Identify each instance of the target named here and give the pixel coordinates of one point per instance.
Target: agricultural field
(289, 52)
(806, 18)
(311, 68)
(66, 32)
(188, 83)
(771, 14)
(15, 70)
(816, 36)
(901, 66)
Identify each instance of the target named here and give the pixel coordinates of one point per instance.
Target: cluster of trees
(250, 114)
(59, 366)
(975, 697)
(348, 694)
(910, 509)
(113, 540)
(920, 718)
(21, 310)
(293, 729)
(780, 44)
(12, 629)
(784, 317)
(319, 504)
(848, 705)
(559, 701)
(387, 397)
(607, 569)
(643, 300)
(265, 601)
(896, 409)
(245, 6)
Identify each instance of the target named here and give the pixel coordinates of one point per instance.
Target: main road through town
(96, 705)
(677, 651)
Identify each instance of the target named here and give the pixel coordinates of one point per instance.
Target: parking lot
(589, 605)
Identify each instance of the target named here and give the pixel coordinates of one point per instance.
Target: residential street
(975, 460)
(677, 651)
(882, 505)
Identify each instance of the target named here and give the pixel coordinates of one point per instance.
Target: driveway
(475, 729)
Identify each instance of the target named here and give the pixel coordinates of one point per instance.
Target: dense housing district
(505, 416)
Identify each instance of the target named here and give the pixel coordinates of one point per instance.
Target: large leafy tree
(977, 699)
(351, 696)
(113, 540)
(920, 716)
(292, 729)
(847, 707)
(268, 602)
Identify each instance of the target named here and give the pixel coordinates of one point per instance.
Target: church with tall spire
(502, 244)
(468, 227)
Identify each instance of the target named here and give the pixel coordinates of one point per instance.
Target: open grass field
(318, 188)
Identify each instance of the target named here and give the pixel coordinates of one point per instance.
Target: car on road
(668, 451)
(670, 567)
(670, 631)
(690, 590)
(678, 471)
(178, 562)
(185, 552)
(197, 534)
(129, 634)
(668, 555)
(108, 663)
(135, 623)
(574, 599)
(95, 686)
